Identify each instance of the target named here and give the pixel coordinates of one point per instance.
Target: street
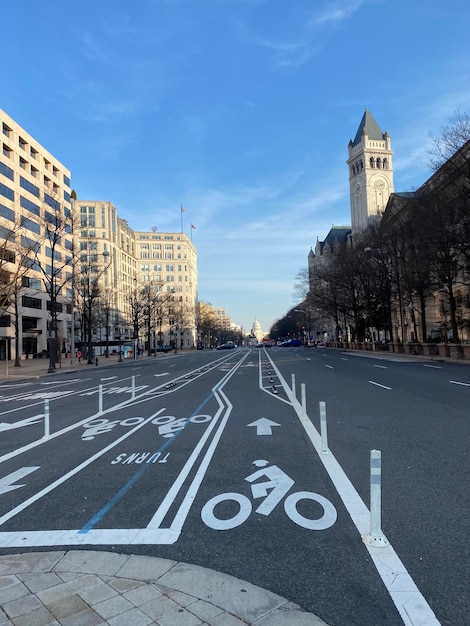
(216, 459)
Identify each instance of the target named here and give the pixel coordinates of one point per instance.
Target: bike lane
(270, 514)
(112, 479)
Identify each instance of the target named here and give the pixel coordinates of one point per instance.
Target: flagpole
(182, 211)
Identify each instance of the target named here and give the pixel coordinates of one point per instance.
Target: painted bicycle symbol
(273, 491)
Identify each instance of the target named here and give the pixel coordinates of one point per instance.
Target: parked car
(226, 346)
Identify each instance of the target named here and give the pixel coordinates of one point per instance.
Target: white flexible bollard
(293, 385)
(133, 388)
(376, 537)
(46, 419)
(100, 399)
(304, 401)
(323, 429)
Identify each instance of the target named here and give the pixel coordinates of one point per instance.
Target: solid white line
(379, 385)
(410, 603)
(436, 367)
(190, 496)
(456, 382)
(383, 367)
(329, 367)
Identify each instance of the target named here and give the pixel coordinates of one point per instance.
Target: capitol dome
(257, 331)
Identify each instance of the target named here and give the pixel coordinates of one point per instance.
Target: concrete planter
(444, 349)
(430, 349)
(466, 351)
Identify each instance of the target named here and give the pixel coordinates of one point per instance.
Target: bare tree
(451, 138)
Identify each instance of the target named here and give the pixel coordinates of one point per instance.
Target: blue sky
(238, 110)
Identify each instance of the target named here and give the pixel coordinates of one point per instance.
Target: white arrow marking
(6, 483)
(26, 422)
(263, 426)
(163, 374)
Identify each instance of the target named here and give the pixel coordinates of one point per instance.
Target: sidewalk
(91, 588)
(35, 368)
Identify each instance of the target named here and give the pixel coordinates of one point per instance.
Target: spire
(369, 126)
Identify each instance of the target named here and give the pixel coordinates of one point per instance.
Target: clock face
(379, 185)
(357, 189)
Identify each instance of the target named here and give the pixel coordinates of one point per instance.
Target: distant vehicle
(291, 342)
(163, 348)
(321, 344)
(227, 346)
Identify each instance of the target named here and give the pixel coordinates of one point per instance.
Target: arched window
(362, 165)
(372, 162)
(385, 164)
(379, 163)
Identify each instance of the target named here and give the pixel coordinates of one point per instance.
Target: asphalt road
(210, 458)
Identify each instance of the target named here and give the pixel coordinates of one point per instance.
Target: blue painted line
(132, 481)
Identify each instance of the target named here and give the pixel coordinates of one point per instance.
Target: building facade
(73, 274)
(36, 243)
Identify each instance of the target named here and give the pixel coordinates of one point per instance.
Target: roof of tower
(369, 126)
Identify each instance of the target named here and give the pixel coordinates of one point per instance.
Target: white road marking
(26, 422)
(379, 385)
(264, 426)
(6, 483)
(162, 374)
(456, 382)
(15, 385)
(383, 367)
(57, 383)
(436, 367)
(56, 483)
(329, 367)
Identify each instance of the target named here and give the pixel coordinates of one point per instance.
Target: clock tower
(370, 172)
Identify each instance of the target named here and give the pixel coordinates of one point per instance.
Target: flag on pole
(192, 226)
(182, 210)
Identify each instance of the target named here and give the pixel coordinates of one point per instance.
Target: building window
(32, 283)
(32, 226)
(7, 192)
(29, 206)
(6, 130)
(5, 321)
(31, 303)
(52, 202)
(6, 171)
(7, 151)
(25, 184)
(7, 213)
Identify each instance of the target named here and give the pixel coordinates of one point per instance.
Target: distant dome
(257, 331)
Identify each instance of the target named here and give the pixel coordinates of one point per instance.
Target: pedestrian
(79, 356)
(96, 361)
